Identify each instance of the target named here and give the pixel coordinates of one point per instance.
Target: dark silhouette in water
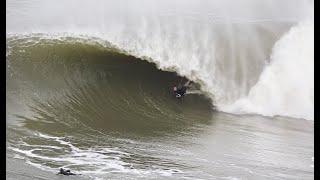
(181, 89)
(66, 172)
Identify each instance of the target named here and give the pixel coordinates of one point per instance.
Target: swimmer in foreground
(181, 90)
(66, 172)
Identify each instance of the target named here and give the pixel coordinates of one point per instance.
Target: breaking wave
(245, 62)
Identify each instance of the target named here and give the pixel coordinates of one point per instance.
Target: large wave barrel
(66, 92)
(53, 79)
(224, 46)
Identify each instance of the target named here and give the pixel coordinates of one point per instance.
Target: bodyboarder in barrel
(181, 90)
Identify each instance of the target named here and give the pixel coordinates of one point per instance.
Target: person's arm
(187, 83)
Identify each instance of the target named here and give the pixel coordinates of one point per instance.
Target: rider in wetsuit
(65, 172)
(181, 90)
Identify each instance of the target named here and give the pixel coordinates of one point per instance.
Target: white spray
(286, 86)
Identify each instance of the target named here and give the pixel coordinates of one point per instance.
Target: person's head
(61, 170)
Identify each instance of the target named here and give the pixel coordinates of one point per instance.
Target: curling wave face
(67, 93)
(71, 74)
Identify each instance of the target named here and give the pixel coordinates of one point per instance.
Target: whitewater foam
(97, 160)
(286, 86)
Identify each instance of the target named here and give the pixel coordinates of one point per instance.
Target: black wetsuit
(65, 172)
(181, 90)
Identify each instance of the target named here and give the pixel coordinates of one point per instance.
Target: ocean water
(89, 88)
